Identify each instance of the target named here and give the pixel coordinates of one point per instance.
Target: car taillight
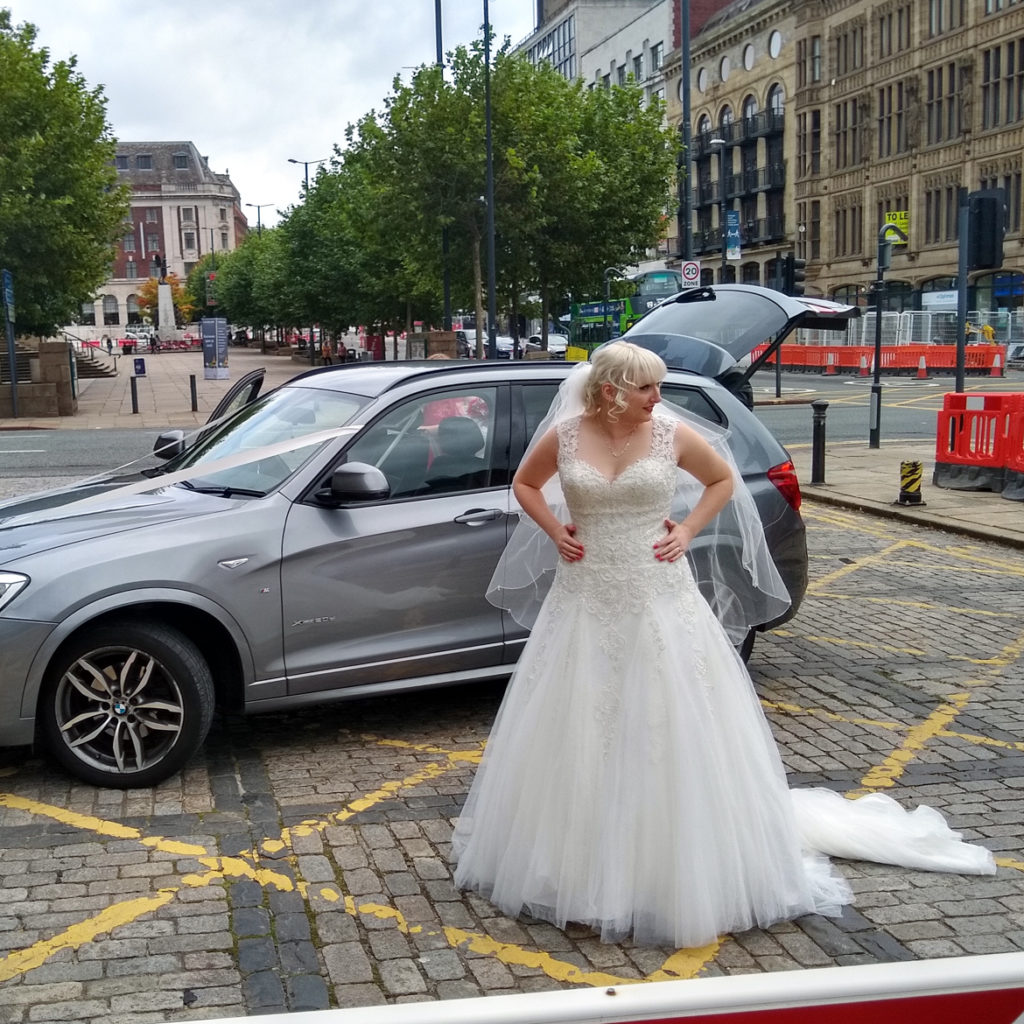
(784, 477)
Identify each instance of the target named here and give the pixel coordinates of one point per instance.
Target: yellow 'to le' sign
(901, 220)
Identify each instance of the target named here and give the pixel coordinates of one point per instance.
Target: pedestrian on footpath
(631, 781)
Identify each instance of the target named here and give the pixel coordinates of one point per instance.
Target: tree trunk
(544, 318)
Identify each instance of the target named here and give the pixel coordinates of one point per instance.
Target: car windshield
(736, 321)
(285, 415)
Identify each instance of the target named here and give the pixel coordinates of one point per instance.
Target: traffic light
(794, 274)
(986, 229)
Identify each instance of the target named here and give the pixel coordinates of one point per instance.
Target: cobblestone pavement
(303, 861)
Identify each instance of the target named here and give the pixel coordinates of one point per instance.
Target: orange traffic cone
(830, 364)
(863, 367)
(922, 370)
(997, 366)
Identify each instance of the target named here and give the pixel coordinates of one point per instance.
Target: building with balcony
(826, 120)
(180, 210)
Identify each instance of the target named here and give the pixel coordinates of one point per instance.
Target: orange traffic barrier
(973, 440)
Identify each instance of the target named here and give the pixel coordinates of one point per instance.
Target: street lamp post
(492, 290)
(720, 144)
(884, 256)
(258, 207)
(609, 273)
(305, 192)
(306, 163)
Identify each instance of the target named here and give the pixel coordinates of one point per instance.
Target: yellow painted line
(1008, 862)
(99, 826)
(884, 775)
(508, 953)
(982, 741)
(686, 963)
(861, 563)
(77, 935)
(926, 606)
(838, 641)
(832, 716)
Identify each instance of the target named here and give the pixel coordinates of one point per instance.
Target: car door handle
(479, 516)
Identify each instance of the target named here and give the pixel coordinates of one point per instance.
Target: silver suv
(330, 539)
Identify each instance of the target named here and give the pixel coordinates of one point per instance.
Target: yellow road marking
(23, 960)
(834, 716)
(855, 566)
(926, 606)
(884, 775)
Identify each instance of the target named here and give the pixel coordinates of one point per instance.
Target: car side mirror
(355, 483)
(169, 444)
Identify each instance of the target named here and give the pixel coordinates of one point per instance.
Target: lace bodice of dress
(618, 522)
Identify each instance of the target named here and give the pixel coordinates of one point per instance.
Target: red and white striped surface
(960, 990)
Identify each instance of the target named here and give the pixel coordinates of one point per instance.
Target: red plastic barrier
(896, 359)
(973, 440)
(1013, 481)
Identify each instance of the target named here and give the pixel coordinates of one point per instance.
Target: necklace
(622, 450)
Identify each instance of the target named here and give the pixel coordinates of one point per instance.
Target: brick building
(180, 211)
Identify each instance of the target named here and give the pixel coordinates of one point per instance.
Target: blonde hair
(623, 365)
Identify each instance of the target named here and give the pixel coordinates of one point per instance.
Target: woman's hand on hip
(568, 546)
(675, 542)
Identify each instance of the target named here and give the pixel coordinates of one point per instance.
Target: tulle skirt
(631, 782)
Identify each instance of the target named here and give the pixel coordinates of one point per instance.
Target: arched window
(1001, 290)
(704, 125)
(111, 313)
(750, 273)
(899, 296)
(88, 315)
(132, 306)
(776, 99)
(725, 117)
(749, 107)
(851, 294)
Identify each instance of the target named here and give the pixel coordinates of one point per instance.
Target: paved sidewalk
(856, 476)
(860, 477)
(164, 393)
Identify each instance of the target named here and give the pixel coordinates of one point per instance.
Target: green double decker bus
(592, 324)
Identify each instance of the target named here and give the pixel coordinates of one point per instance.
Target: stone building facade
(180, 211)
(830, 118)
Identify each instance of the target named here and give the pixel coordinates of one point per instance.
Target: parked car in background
(331, 539)
(557, 344)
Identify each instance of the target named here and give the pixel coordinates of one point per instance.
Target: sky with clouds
(254, 82)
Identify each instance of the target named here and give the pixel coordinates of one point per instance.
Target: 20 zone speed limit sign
(691, 272)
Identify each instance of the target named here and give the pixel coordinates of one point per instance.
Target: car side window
(439, 443)
(692, 400)
(536, 399)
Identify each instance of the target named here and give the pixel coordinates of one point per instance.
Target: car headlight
(10, 584)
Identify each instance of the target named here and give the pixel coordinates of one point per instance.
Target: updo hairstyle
(623, 365)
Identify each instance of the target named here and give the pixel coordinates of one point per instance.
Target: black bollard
(135, 393)
(818, 442)
(192, 391)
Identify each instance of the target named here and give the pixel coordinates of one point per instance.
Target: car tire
(127, 704)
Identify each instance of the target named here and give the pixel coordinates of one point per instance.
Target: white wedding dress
(631, 781)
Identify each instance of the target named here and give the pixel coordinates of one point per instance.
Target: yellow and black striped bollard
(911, 473)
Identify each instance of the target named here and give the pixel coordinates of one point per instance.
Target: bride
(631, 781)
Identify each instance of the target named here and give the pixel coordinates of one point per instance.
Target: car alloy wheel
(127, 704)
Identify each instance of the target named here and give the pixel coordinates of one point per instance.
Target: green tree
(61, 209)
